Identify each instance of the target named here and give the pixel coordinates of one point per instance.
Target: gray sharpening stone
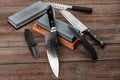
(28, 14)
(62, 28)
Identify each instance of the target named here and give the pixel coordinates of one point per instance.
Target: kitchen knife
(79, 25)
(85, 43)
(31, 43)
(64, 7)
(51, 43)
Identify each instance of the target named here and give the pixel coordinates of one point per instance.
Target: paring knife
(80, 26)
(31, 43)
(85, 43)
(51, 43)
(64, 7)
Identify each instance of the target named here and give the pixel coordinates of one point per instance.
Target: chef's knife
(79, 25)
(31, 43)
(85, 43)
(64, 7)
(51, 43)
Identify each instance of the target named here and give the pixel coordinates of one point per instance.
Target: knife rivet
(89, 30)
(101, 41)
(94, 35)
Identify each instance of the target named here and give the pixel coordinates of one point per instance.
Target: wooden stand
(60, 39)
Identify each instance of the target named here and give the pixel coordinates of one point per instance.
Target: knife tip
(57, 75)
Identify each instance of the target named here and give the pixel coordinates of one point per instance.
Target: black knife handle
(85, 43)
(50, 13)
(80, 8)
(89, 47)
(96, 38)
(29, 38)
(31, 43)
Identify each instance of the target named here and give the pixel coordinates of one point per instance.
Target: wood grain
(17, 63)
(102, 70)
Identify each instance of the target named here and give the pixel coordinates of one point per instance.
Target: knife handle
(31, 43)
(50, 13)
(85, 43)
(85, 9)
(28, 38)
(97, 39)
(89, 47)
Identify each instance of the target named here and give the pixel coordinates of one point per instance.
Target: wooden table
(17, 63)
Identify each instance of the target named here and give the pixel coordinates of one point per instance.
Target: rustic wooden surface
(17, 63)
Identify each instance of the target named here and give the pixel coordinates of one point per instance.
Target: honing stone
(28, 14)
(62, 27)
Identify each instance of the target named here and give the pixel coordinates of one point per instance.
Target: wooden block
(60, 39)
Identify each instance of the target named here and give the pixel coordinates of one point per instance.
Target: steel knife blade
(85, 43)
(31, 43)
(64, 7)
(79, 25)
(51, 43)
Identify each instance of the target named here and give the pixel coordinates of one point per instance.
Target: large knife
(64, 7)
(85, 43)
(79, 25)
(51, 43)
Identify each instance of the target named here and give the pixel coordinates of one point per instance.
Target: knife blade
(85, 43)
(31, 43)
(51, 43)
(73, 7)
(79, 25)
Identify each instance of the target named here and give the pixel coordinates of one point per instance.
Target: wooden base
(60, 39)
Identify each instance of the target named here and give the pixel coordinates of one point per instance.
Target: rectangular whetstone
(62, 28)
(71, 45)
(28, 14)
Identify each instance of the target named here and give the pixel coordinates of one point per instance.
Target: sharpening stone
(71, 45)
(62, 27)
(28, 14)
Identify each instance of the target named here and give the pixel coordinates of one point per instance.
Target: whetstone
(27, 15)
(62, 28)
(71, 45)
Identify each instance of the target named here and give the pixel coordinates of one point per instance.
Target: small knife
(80, 26)
(85, 43)
(31, 43)
(51, 43)
(64, 7)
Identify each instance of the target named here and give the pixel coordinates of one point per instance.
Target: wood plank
(75, 2)
(101, 70)
(23, 55)
(98, 10)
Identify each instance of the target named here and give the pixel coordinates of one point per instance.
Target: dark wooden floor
(17, 63)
